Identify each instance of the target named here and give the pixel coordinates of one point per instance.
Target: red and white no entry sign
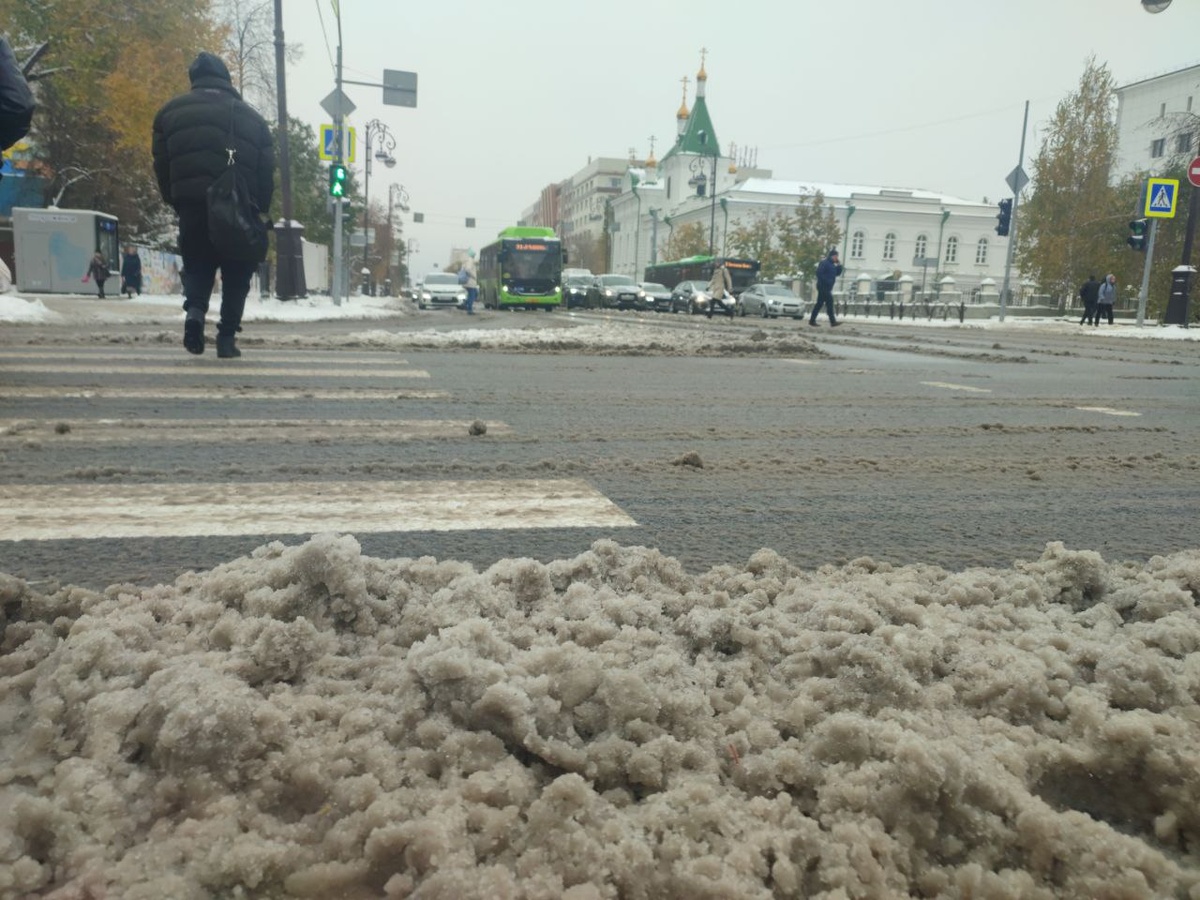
(1194, 172)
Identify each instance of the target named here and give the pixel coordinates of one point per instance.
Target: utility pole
(1016, 183)
(289, 252)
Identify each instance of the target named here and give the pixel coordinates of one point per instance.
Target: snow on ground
(311, 722)
(453, 329)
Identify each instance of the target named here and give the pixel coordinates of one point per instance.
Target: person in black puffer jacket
(194, 135)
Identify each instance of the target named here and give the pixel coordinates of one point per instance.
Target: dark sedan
(574, 290)
(686, 295)
(614, 291)
(658, 297)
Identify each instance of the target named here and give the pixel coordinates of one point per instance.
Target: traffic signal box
(1137, 235)
(1004, 217)
(338, 175)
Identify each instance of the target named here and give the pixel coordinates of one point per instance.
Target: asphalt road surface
(128, 461)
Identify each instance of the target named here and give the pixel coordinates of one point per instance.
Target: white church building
(937, 243)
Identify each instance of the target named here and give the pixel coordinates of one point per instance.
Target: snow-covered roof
(782, 187)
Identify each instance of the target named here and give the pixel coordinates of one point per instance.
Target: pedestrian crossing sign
(328, 147)
(1161, 194)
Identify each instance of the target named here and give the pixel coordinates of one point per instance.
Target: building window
(856, 245)
(1189, 105)
(1162, 110)
(1183, 143)
(1158, 148)
(952, 250)
(922, 244)
(981, 252)
(889, 245)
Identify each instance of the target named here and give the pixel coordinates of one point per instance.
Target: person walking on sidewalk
(1105, 298)
(97, 269)
(197, 135)
(828, 271)
(470, 281)
(1089, 293)
(131, 272)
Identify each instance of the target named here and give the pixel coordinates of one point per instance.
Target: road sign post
(1177, 305)
(1141, 310)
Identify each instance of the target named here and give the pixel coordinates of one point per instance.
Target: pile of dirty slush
(311, 722)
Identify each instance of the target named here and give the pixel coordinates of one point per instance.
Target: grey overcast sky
(901, 93)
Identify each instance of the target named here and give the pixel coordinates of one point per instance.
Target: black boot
(193, 331)
(226, 348)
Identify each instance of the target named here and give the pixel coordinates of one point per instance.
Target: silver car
(770, 301)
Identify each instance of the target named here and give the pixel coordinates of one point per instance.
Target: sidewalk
(75, 309)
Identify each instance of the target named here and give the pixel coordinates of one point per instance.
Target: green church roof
(699, 123)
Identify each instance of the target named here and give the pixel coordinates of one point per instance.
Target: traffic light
(1137, 235)
(338, 173)
(1004, 217)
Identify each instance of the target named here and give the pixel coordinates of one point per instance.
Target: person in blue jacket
(828, 271)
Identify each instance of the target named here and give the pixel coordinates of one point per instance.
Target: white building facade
(936, 243)
(1158, 123)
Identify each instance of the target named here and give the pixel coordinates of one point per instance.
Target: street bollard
(962, 312)
(901, 310)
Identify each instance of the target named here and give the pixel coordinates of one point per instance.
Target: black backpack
(16, 99)
(235, 224)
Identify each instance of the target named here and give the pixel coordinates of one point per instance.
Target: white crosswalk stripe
(88, 510)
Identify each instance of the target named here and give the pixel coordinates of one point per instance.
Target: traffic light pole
(1141, 310)
(339, 122)
(1012, 235)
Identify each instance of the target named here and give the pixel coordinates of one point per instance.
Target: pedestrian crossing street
(69, 505)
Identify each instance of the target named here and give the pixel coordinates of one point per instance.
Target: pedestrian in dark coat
(131, 272)
(828, 271)
(16, 99)
(1089, 292)
(196, 135)
(97, 269)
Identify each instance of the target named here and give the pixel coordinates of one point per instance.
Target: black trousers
(1104, 309)
(200, 266)
(824, 298)
(1089, 313)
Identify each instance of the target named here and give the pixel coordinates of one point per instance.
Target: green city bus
(742, 272)
(522, 269)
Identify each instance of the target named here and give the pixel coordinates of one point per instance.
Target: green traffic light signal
(338, 174)
(1137, 235)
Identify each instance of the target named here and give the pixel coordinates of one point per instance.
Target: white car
(440, 290)
(770, 301)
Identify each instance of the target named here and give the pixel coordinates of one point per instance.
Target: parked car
(575, 290)
(658, 297)
(770, 301)
(440, 290)
(612, 291)
(583, 273)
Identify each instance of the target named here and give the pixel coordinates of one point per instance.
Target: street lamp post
(850, 208)
(397, 197)
(654, 211)
(937, 271)
(387, 143)
(712, 192)
(637, 232)
(725, 227)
